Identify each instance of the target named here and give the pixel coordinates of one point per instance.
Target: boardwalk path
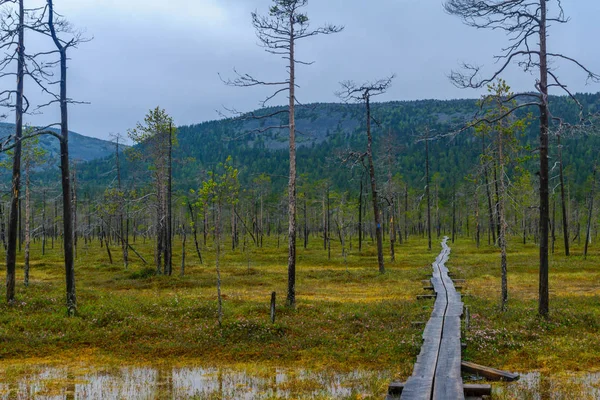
(436, 374)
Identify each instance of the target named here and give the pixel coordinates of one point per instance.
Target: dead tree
(391, 149)
(278, 33)
(363, 93)
(15, 38)
(526, 23)
(16, 19)
(590, 213)
(56, 25)
(427, 191)
(121, 204)
(563, 203)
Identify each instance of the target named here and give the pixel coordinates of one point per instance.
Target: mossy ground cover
(348, 316)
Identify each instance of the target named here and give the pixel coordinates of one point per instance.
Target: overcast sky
(169, 53)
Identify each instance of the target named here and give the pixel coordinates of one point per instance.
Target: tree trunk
(123, 240)
(477, 222)
(27, 220)
(496, 185)
(169, 230)
(64, 162)
(454, 212)
(543, 306)
(291, 289)
(565, 216)
(590, 213)
(218, 264)
(492, 228)
(11, 250)
(378, 229)
(406, 213)
(360, 216)
(195, 231)
(427, 190)
(44, 222)
(2, 227)
(553, 232)
(501, 187)
(74, 208)
(183, 239)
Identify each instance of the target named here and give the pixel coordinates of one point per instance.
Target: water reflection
(253, 383)
(535, 386)
(184, 383)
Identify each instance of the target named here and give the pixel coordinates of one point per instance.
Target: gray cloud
(147, 53)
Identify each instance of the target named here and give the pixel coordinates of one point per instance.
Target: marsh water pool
(185, 383)
(253, 382)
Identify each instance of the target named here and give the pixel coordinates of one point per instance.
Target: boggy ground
(348, 316)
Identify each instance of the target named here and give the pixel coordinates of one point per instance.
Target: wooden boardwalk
(437, 372)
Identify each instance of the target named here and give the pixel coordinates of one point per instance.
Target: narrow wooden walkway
(437, 372)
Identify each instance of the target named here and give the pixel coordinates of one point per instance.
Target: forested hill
(326, 131)
(82, 148)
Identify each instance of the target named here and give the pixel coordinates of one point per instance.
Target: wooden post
(273, 299)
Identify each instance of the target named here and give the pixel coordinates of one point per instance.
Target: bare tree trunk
(169, 230)
(543, 307)
(477, 222)
(323, 202)
(195, 231)
(107, 244)
(159, 232)
(233, 229)
(427, 190)
(74, 208)
(11, 250)
(64, 162)
(378, 230)
(502, 219)
(496, 186)
(124, 247)
(291, 289)
(553, 232)
(2, 226)
(454, 212)
(20, 225)
(305, 223)
(406, 213)
(218, 264)
(328, 237)
(44, 222)
(590, 213)
(524, 225)
(492, 227)
(565, 216)
(360, 216)
(27, 220)
(183, 239)
(205, 225)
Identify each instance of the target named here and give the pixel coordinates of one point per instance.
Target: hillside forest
(332, 209)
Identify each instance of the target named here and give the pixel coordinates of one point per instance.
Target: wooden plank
(436, 373)
(426, 296)
(395, 388)
(492, 374)
(477, 390)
